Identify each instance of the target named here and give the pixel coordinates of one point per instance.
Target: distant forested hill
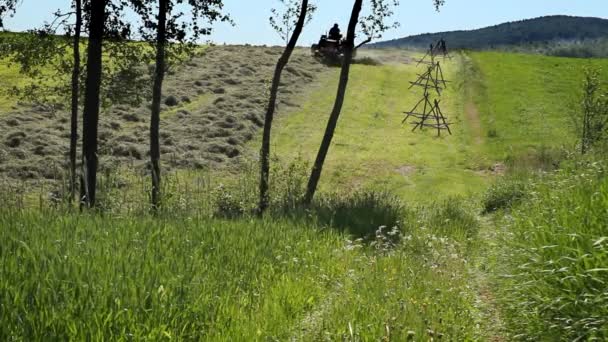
(532, 32)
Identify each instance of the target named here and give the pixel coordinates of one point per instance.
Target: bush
(503, 194)
(227, 205)
(288, 184)
(493, 133)
(360, 214)
(366, 61)
(453, 217)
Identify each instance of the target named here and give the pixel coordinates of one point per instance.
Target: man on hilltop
(334, 33)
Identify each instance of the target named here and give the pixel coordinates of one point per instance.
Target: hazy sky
(415, 16)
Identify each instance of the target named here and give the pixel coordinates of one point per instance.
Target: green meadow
(496, 232)
(372, 149)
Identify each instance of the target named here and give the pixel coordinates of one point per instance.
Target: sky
(414, 16)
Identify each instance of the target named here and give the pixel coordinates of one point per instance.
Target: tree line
(543, 30)
(162, 25)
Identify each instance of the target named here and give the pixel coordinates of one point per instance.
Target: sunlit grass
(528, 101)
(71, 276)
(372, 148)
(321, 272)
(552, 272)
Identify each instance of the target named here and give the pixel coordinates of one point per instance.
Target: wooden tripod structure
(435, 50)
(427, 112)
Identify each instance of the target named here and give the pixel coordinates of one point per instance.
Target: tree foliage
(285, 20)
(376, 22)
(43, 57)
(303, 16)
(377, 19)
(173, 37)
(538, 33)
(7, 7)
(187, 22)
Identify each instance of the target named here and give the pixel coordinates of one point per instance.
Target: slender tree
(91, 102)
(592, 122)
(105, 25)
(305, 12)
(159, 75)
(349, 46)
(375, 25)
(75, 96)
(173, 39)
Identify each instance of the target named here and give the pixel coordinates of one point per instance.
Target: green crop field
(528, 101)
(496, 232)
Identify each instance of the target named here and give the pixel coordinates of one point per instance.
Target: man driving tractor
(330, 46)
(334, 33)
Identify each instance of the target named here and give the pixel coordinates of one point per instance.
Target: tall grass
(418, 290)
(90, 277)
(553, 271)
(115, 274)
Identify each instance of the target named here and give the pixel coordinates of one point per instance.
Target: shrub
(288, 184)
(361, 213)
(503, 194)
(227, 205)
(453, 217)
(367, 61)
(493, 133)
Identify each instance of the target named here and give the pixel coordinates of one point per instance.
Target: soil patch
(406, 170)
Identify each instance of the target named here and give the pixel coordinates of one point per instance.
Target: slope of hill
(216, 107)
(531, 31)
(184, 275)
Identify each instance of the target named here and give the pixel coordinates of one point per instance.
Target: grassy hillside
(525, 32)
(527, 102)
(373, 149)
(505, 108)
(502, 106)
(212, 106)
(71, 276)
(550, 272)
(204, 268)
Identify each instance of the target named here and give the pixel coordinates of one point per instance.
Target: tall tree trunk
(90, 118)
(159, 75)
(276, 80)
(75, 95)
(315, 175)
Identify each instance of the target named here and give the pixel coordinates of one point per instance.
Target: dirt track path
(471, 112)
(474, 120)
(491, 325)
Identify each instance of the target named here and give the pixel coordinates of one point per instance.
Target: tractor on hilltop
(328, 48)
(331, 46)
